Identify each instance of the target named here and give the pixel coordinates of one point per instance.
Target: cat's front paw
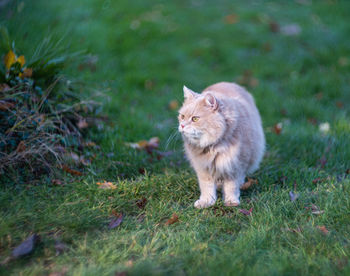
(204, 203)
(233, 202)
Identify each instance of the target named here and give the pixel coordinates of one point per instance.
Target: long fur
(224, 142)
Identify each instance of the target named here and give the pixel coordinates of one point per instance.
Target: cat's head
(200, 121)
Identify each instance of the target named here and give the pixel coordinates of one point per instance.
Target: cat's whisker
(171, 138)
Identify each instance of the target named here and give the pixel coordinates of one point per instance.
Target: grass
(146, 51)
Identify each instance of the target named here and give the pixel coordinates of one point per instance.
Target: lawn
(293, 56)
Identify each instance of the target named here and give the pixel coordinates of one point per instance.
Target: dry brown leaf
(71, 171)
(249, 183)
(106, 185)
(323, 229)
(115, 222)
(82, 124)
(57, 182)
(277, 128)
(142, 203)
(246, 212)
(90, 144)
(144, 144)
(172, 220)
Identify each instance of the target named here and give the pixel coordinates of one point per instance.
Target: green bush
(41, 110)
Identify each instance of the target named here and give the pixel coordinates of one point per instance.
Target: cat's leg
(231, 191)
(208, 191)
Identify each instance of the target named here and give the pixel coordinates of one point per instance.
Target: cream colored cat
(223, 139)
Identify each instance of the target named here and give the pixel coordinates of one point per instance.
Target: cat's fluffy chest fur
(223, 139)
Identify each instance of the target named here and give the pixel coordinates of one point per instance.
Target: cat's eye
(182, 116)
(195, 119)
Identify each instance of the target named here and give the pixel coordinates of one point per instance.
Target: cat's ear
(211, 101)
(188, 93)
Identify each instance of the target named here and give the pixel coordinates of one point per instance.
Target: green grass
(147, 50)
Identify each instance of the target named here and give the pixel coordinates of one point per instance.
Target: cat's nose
(182, 126)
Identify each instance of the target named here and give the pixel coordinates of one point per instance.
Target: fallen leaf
(291, 29)
(106, 185)
(315, 210)
(173, 105)
(347, 171)
(82, 124)
(161, 154)
(323, 229)
(231, 18)
(26, 247)
(57, 182)
(293, 196)
(149, 145)
(172, 220)
(90, 144)
(246, 212)
(278, 128)
(60, 247)
(141, 203)
(71, 171)
(249, 183)
(115, 222)
(122, 273)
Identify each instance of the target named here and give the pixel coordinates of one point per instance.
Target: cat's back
(230, 90)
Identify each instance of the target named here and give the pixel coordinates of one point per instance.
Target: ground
(294, 57)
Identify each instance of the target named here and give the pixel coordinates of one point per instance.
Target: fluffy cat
(223, 138)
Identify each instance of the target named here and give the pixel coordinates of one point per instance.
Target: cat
(223, 139)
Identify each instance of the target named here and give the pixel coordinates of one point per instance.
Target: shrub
(41, 110)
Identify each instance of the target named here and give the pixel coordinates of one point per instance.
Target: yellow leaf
(106, 185)
(21, 60)
(9, 59)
